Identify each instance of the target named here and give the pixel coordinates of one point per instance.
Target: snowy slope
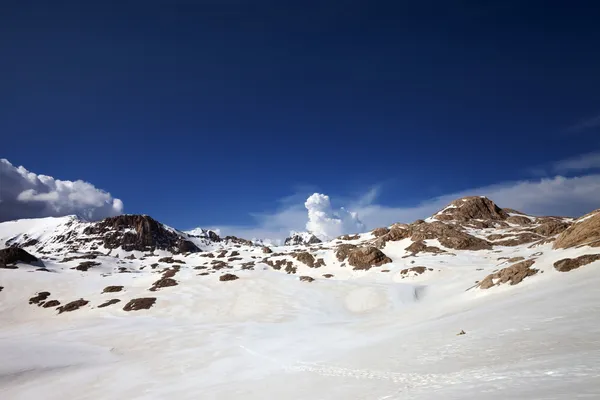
(384, 332)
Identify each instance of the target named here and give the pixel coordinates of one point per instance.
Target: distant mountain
(298, 238)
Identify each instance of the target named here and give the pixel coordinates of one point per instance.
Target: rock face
(228, 277)
(513, 274)
(298, 238)
(306, 258)
(448, 236)
(584, 231)
(139, 232)
(12, 255)
(473, 207)
(569, 264)
(367, 257)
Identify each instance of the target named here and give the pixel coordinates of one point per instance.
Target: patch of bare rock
(40, 297)
(72, 306)
(584, 231)
(420, 247)
(305, 258)
(228, 277)
(415, 270)
(109, 303)
(85, 265)
(364, 258)
(112, 289)
(51, 303)
(12, 255)
(513, 275)
(305, 278)
(568, 264)
(142, 303)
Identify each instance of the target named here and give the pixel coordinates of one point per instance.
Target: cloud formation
(24, 194)
(582, 162)
(325, 222)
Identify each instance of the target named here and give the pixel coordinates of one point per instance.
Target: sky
(230, 114)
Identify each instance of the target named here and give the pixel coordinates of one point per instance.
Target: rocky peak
(139, 232)
(297, 238)
(205, 234)
(471, 208)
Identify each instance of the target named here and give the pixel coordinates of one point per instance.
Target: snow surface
(358, 335)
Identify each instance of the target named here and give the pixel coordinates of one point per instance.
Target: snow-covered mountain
(474, 301)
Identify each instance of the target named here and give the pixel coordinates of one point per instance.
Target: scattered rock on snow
(513, 274)
(72, 306)
(142, 303)
(228, 277)
(109, 302)
(568, 264)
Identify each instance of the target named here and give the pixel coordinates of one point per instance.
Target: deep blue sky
(200, 112)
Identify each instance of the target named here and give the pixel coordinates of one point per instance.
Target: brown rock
(112, 289)
(568, 264)
(171, 260)
(319, 263)
(416, 270)
(551, 227)
(267, 250)
(344, 250)
(84, 266)
(306, 278)
(513, 274)
(41, 296)
(228, 277)
(51, 303)
(162, 283)
(519, 240)
(306, 258)
(142, 303)
(328, 275)
(72, 306)
(584, 231)
(378, 232)
(421, 247)
(349, 237)
(448, 236)
(109, 302)
(472, 207)
(290, 269)
(367, 257)
(519, 220)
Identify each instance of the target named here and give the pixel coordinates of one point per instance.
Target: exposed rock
(568, 264)
(470, 208)
(112, 289)
(84, 266)
(11, 255)
(349, 237)
(228, 277)
(319, 263)
(416, 270)
(367, 257)
(235, 239)
(80, 257)
(142, 303)
(518, 240)
(378, 232)
(231, 259)
(328, 275)
(421, 247)
(306, 258)
(306, 278)
(109, 302)
(298, 238)
(248, 265)
(515, 259)
(222, 254)
(1, 287)
(40, 297)
(162, 283)
(51, 303)
(461, 333)
(551, 227)
(518, 220)
(344, 250)
(513, 274)
(139, 232)
(217, 265)
(397, 232)
(584, 231)
(448, 236)
(267, 250)
(72, 306)
(171, 260)
(290, 269)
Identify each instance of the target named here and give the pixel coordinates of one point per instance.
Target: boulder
(584, 231)
(142, 303)
(513, 275)
(363, 258)
(568, 264)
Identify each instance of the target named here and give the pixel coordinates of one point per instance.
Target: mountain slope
(374, 315)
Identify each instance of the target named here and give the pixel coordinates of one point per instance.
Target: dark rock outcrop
(142, 303)
(472, 207)
(39, 298)
(228, 277)
(139, 232)
(72, 306)
(109, 303)
(306, 279)
(306, 258)
(12, 255)
(513, 274)
(51, 303)
(568, 264)
(112, 289)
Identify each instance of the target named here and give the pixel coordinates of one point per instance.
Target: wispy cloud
(584, 162)
(588, 123)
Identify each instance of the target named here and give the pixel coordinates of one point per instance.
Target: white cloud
(573, 196)
(24, 194)
(327, 223)
(583, 162)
